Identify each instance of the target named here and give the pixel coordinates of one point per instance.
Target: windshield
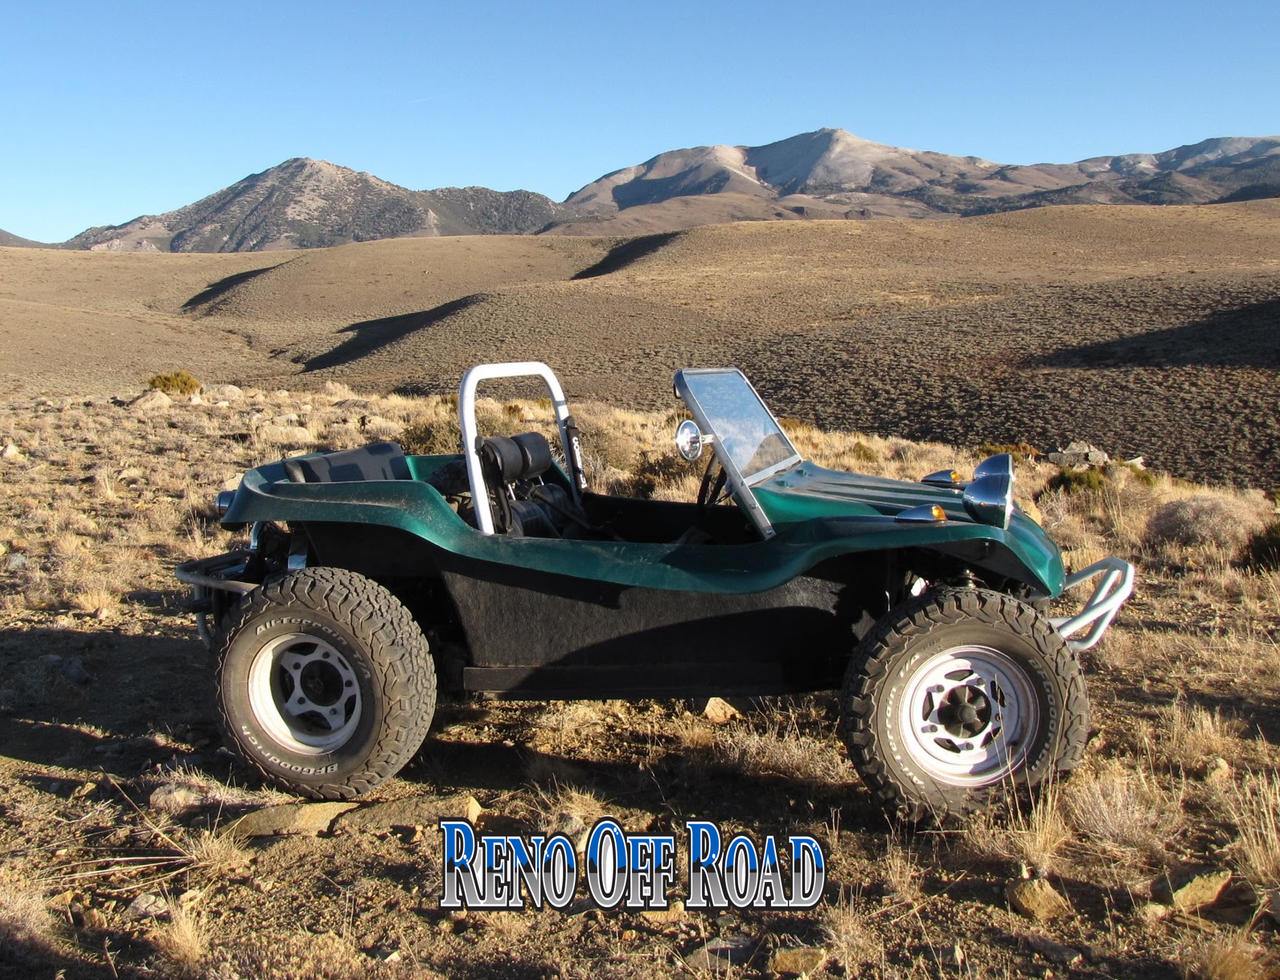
(745, 432)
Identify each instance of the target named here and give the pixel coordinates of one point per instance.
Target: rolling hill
(1084, 322)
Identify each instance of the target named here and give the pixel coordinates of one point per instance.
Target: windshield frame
(739, 484)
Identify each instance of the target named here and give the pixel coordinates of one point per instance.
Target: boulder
(153, 400)
(222, 393)
(1190, 889)
(289, 818)
(718, 711)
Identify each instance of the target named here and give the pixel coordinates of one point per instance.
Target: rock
(957, 957)
(291, 418)
(91, 919)
(1036, 899)
(800, 961)
(147, 906)
(173, 798)
(1054, 952)
(672, 914)
(151, 401)
(73, 670)
(1191, 889)
(416, 811)
(1219, 773)
(222, 393)
(718, 711)
(16, 563)
(10, 452)
(285, 435)
(195, 400)
(289, 818)
(474, 810)
(713, 956)
(1079, 454)
(353, 405)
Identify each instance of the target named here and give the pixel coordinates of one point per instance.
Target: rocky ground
(121, 855)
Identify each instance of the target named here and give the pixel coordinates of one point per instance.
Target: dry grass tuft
(1231, 957)
(1220, 520)
(184, 939)
(1123, 812)
(1032, 835)
(780, 749)
(28, 932)
(847, 931)
(1254, 806)
(1190, 737)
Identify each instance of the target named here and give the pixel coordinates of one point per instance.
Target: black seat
(378, 461)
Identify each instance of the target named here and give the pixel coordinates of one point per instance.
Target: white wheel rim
(968, 716)
(304, 694)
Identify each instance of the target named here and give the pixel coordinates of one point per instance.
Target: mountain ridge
(829, 173)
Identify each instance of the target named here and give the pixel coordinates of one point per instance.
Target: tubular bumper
(1108, 596)
(205, 574)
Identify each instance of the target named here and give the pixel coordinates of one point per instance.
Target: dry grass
(1217, 520)
(1254, 807)
(1230, 957)
(848, 933)
(184, 939)
(1032, 835)
(1124, 813)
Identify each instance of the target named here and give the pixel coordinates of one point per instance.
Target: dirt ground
(114, 785)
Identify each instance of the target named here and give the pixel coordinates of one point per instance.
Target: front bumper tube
(1095, 616)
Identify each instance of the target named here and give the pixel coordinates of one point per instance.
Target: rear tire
(324, 683)
(958, 695)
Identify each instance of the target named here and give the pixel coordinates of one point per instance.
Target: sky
(113, 110)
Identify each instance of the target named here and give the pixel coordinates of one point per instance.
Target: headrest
(517, 458)
(379, 461)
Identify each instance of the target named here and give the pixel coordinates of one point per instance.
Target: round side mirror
(689, 440)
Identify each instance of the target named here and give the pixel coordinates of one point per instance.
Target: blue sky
(111, 110)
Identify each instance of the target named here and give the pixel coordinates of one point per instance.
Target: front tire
(324, 683)
(955, 697)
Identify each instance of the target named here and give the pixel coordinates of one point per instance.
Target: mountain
(304, 203)
(8, 240)
(831, 167)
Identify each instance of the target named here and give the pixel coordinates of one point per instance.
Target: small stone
(150, 401)
(474, 810)
(289, 818)
(16, 562)
(672, 914)
(1190, 890)
(392, 957)
(172, 798)
(10, 452)
(1054, 952)
(629, 935)
(714, 955)
(91, 919)
(1036, 899)
(718, 711)
(147, 906)
(195, 400)
(568, 824)
(957, 956)
(800, 961)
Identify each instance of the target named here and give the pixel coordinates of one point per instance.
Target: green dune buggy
(372, 578)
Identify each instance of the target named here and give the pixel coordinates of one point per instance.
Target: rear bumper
(1115, 586)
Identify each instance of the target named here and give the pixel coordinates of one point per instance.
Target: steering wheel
(710, 489)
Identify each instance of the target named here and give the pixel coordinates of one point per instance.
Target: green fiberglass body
(372, 578)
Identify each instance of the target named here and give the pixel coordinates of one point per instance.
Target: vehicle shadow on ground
(1244, 337)
(96, 700)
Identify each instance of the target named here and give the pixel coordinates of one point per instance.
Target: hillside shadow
(621, 256)
(1244, 337)
(369, 335)
(221, 288)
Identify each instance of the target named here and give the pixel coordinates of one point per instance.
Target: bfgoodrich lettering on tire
(957, 695)
(324, 683)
